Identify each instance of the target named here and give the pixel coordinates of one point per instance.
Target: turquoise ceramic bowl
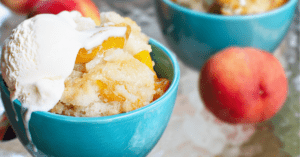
(195, 36)
(129, 134)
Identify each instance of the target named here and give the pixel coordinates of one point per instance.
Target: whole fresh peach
(86, 7)
(19, 6)
(243, 85)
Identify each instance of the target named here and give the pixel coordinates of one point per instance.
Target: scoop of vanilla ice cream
(39, 55)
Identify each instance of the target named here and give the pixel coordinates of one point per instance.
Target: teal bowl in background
(196, 36)
(128, 134)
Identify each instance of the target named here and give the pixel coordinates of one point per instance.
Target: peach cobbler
(114, 77)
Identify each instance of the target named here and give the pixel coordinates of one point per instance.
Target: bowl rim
(185, 10)
(106, 119)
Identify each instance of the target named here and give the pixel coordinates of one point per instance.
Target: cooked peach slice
(144, 57)
(106, 91)
(85, 56)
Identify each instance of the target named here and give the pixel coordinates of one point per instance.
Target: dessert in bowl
(115, 126)
(195, 36)
(232, 7)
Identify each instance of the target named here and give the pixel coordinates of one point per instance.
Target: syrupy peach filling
(85, 56)
(106, 90)
(144, 57)
(161, 86)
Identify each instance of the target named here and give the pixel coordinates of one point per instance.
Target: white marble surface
(192, 130)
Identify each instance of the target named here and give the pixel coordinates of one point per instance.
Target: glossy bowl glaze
(195, 36)
(128, 134)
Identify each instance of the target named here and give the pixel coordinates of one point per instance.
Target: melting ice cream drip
(26, 114)
(14, 110)
(242, 2)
